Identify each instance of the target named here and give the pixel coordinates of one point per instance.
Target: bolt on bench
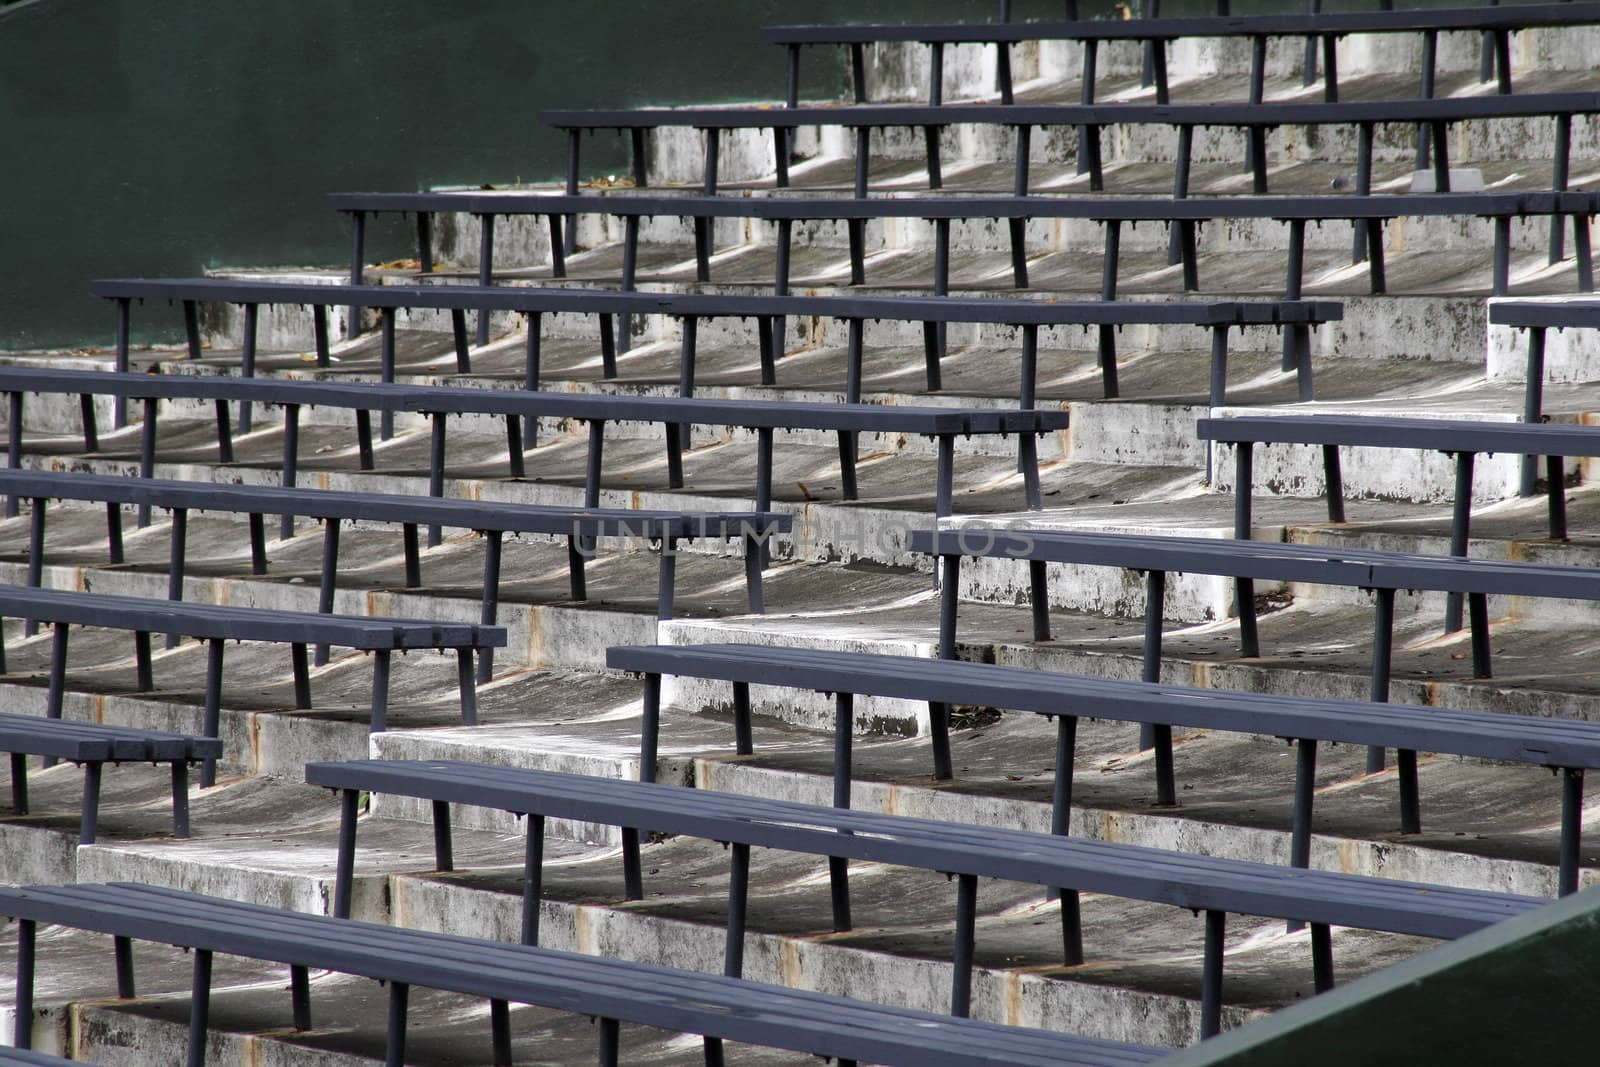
(1569, 746)
(217, 624)
(611, 990)
(92, 746)
(1215, 886)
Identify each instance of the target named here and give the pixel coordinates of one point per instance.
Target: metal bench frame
(91, 746)
(492, 519)
(609, 989)
(1183, 217)
(1462, 439)
(1027, 316)
(217, 624)
(1065, 865)
(522, 409)
(1567, 746)
(1436, 114)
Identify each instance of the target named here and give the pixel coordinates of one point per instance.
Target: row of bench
(1437, 115)
(1184, 216)
(1297, 317)
(1321, 29)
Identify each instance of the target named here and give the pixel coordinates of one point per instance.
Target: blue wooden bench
(1463, 439)
(1322, 29)
(1215, 886)
(1255, 119)
(1537, 317)
(1368, 212)
(216, 624)
(1570, 746)
(611, 990)
(494, 519)
(522, 409)
(1027, 316)
(92, 746)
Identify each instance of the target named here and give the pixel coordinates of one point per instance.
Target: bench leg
(143, 676)
(291, 462)
(364, 458)
(413, 554)
(650, 728)
(122, 954)
(466, 682)
(1061, 825)
(345, 871)
(1556, 493)
(258, 543)
(1211, 980)
(177, 552)
(114, 533)
(1155, 595)
(443, 853)
(966, 929)
(1108, 363)
(436, 453)
(838, 866)
(1460, 530)
(213, 707)
(1571, 829)
(743, 743)
(939, 734)
(300, 997)
(58, 672)
(493, 542)
(19, 783)
(755, 553)
(199, 1008)
(1333, 482)
(847, 464)
(23, 1036)
(949, 604)
(330, 570)
(180, 798)
(610, 1042)
(395, 1039)
(632, 868)
(738, 901)
(1405, 765)
(944, 494)
(1321, 957)
(1532, 400)
(35, 557)
(91, 803)
(380, 691)
(1382, 661)
(666, 578)
(1305, 786)
(500, 1033)
(302, 675)
(386, 370)
(1478, 623)
(532, 879)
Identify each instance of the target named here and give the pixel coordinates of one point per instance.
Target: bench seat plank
(674, 1000)
(1182, 879)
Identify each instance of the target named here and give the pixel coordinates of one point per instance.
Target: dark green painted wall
(148, 137)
